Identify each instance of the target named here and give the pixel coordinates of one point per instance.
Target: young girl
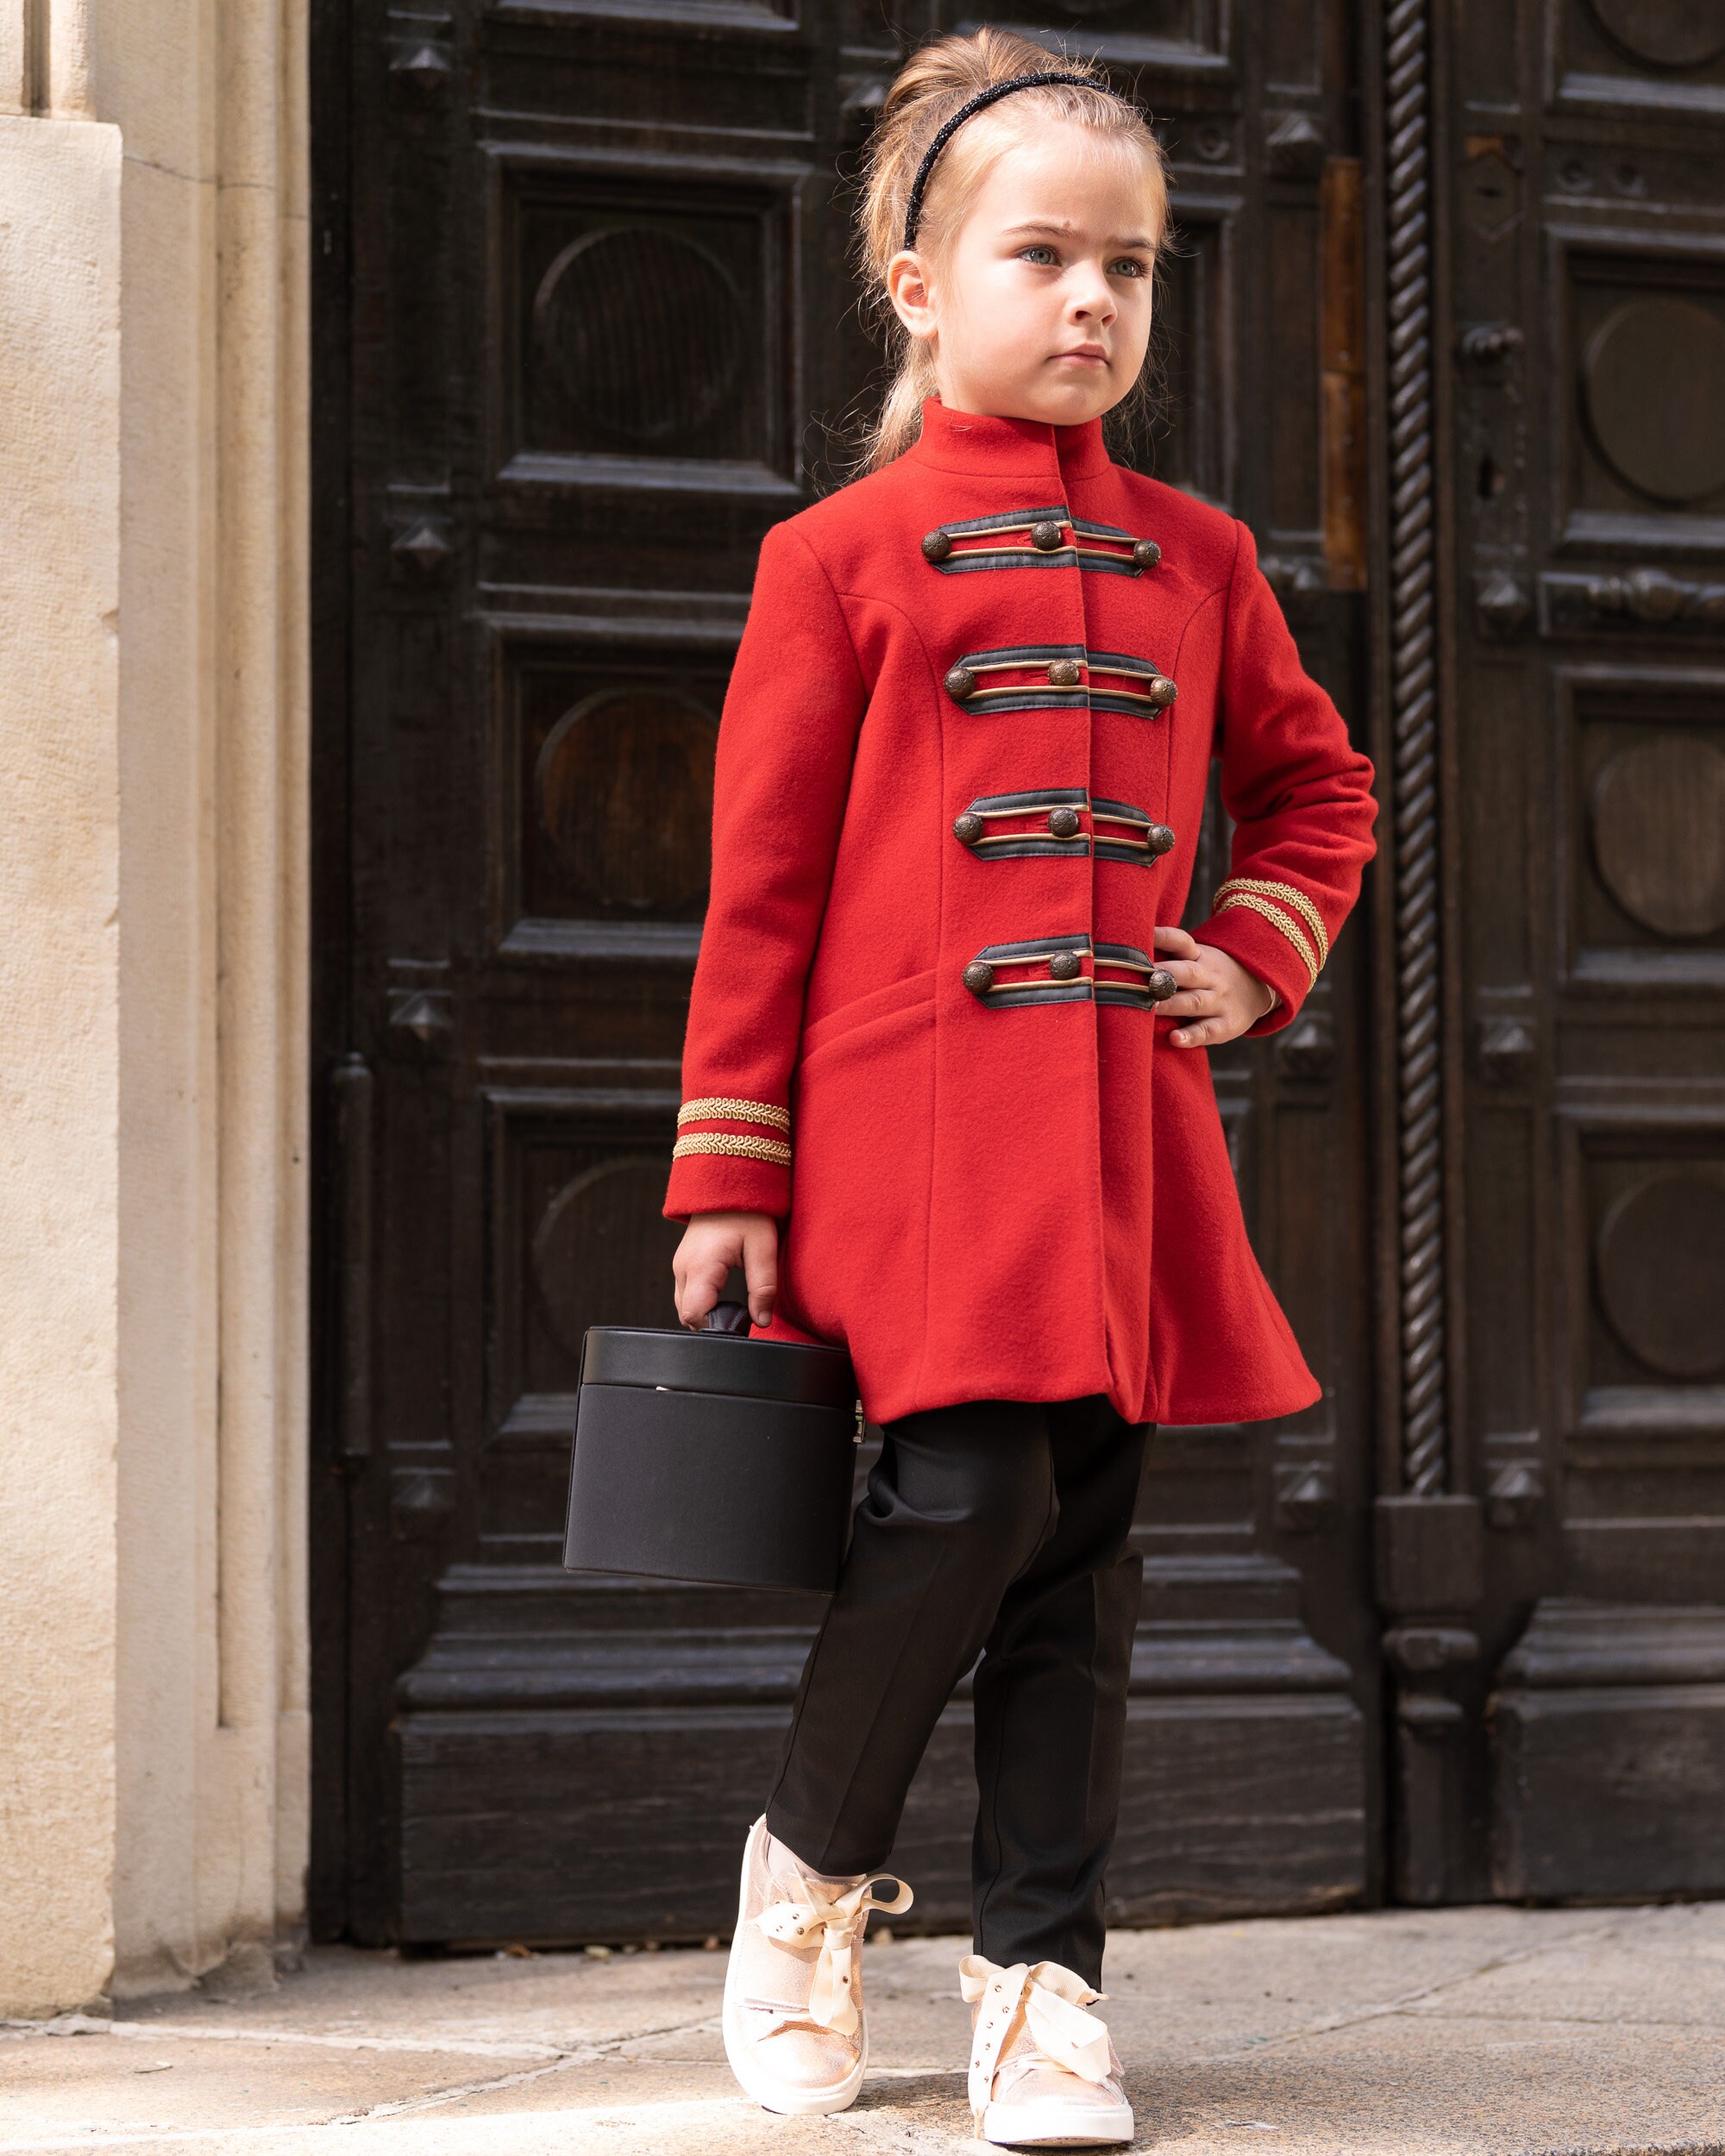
(942, 1103)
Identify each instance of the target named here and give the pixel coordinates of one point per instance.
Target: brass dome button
(1160, 690)
(979, 977)
(1159, 839)
(1045, 537)
(1064, 822)
(1065, 965)
(961, 682)
(1162, 986)
(1064, 674)
(970, 827)
(1145, 553)
(936, 545)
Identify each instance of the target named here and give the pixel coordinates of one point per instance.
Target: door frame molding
(1429, 1545)
(329, 31)
(1414, 663)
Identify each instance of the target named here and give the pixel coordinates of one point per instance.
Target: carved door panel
(588, 247)
(1562, 1733)
(585, 324)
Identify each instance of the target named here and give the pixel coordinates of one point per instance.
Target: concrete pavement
(1489, 2030)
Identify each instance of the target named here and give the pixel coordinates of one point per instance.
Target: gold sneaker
(1043, 2072)
(794, 2031)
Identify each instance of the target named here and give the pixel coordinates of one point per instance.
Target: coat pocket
(862, 1105)
(914, 990)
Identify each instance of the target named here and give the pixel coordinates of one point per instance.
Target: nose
(1091, 298)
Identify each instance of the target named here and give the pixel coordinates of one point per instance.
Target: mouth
(1086, 355)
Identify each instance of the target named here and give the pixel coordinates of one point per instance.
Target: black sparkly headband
(913, 214)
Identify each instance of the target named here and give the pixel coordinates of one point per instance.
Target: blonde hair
(928, 90)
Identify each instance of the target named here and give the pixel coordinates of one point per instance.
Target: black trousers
(1000, 1527)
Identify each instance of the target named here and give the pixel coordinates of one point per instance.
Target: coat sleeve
(1299, 795)
(786, 741)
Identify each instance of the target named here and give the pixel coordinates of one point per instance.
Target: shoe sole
(745, 2063)
(1054, 2124)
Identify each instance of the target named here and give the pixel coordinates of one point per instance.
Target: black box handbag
(710, 1456)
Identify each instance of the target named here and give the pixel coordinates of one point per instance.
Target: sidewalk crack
(1326, 2025)
(577, 2055)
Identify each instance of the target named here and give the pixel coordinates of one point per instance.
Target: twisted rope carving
(1413, 711)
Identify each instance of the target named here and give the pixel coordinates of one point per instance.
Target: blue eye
(1129, 266)
(1047, 254)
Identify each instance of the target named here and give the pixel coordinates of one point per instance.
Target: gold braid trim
(1291, 928)
(1286, 895)
(762, 1111)
(771, 1150)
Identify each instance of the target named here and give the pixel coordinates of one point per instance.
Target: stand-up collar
(1007, 448)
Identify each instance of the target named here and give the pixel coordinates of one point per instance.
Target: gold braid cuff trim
(761, 1111)
(1291, 928)
(1286, 895)
(772, 1150)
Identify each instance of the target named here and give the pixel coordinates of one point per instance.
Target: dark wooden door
(585, 328)
(1559, 320)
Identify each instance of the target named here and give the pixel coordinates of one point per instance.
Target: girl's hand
(712, 1243)
(1216, 991)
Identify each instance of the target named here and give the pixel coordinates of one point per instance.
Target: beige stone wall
(153, 943)
(60, 462)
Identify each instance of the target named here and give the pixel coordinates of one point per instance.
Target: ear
(907, 287)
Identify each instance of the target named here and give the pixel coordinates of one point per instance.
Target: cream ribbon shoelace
(838, 1919)
(1054, 2002)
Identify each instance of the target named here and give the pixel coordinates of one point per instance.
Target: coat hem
(1187, 1411)
(1182, 1412)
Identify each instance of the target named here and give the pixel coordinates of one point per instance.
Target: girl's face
(1040, 309)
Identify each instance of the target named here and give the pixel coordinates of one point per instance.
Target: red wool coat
(961, 771)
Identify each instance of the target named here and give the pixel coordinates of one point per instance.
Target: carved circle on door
(624, 790)
(1661, 1265)
(1652, 373)
(602, 1252)
(643, 329)
(1659, 834)
(1665, 33)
